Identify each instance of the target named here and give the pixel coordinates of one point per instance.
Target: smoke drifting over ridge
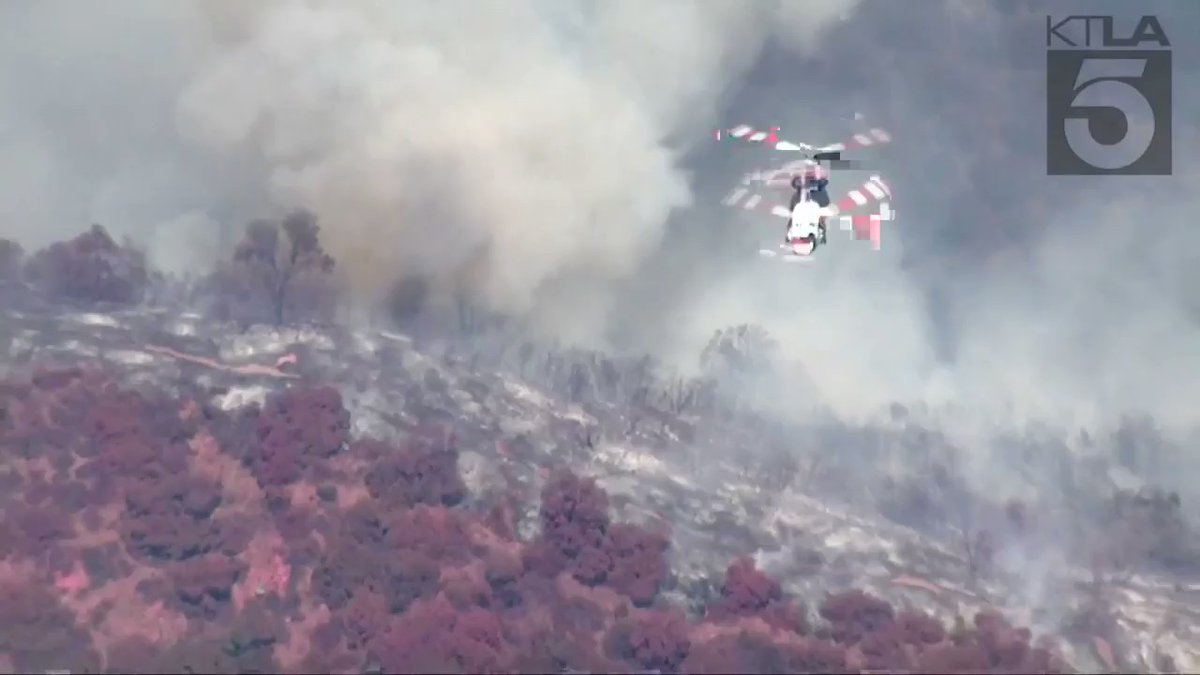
(556, 154)
(519, 142)
(1001, 293)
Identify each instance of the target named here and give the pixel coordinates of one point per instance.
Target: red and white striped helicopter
(807, 218)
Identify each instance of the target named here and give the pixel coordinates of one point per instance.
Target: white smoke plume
(522, 145)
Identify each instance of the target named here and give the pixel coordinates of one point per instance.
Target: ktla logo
(1108, 109)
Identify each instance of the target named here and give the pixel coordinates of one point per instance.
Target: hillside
(189, 493)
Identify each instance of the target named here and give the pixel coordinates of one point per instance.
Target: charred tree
(276, 262)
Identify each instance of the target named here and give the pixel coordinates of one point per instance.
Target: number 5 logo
(1100, 85)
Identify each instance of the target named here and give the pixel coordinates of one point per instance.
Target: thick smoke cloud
(515, 147)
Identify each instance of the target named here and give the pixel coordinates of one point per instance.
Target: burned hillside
(308, 496)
